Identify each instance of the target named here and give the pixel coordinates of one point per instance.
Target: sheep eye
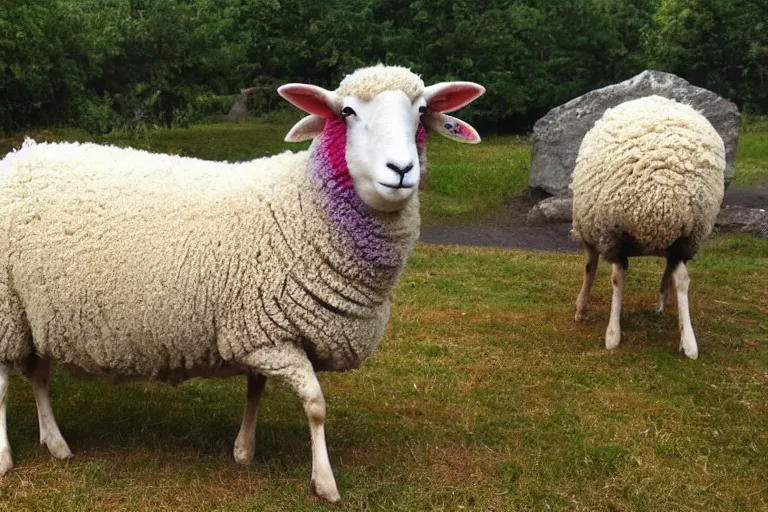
(422, 109)
(347, 111)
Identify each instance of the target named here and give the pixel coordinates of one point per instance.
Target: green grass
(484, 394)
(233, 142)
(460, 192)
(752, 158)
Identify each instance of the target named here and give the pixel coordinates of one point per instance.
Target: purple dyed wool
(328, 167)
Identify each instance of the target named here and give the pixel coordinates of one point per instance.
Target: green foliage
(45, 63)
(718, 44)
(136, 64)
(97, 117)
(164, 54)
(212, 104)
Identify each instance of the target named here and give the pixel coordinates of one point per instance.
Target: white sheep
(648, 181)
(128, 264)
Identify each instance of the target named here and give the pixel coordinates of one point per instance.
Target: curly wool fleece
(367, 83)
(651, 169)
(131, 264)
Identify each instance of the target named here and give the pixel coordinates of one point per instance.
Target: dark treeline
(101, 64)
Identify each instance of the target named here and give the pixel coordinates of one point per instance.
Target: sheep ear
(451, 127)
(450, 96)
(311, 99)
(308, 128)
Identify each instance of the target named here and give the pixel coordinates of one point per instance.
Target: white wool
(129, 263)
(651, 169)
(165, 266)
(648, 181)
(366, 83)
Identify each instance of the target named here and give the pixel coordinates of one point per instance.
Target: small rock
(758, 227)
(744, 220)
(550, 210)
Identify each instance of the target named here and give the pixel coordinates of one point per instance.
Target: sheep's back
(119, 257)
(168, 267)
(651, 170)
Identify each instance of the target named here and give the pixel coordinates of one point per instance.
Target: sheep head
(384, 112)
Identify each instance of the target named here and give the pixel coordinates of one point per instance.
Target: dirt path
(752, 197)
(509, 231)
(554, 237)
(513, 233)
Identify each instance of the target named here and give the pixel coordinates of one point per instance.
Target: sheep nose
(401, 171)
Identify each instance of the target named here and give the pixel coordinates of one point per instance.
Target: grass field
(484, 394)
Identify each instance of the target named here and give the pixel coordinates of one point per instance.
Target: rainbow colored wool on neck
(363, 225)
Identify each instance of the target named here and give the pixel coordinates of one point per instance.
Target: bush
(97, 117)
(215, 105)
(751, 123)
(170, 63)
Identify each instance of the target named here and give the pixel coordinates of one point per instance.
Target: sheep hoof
(691, 352)
(579, 316)
(6, 462)
(58, 448)
(326, 491)
(243, 454)
(612, 338)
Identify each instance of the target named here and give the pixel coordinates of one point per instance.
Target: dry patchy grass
(484, 395)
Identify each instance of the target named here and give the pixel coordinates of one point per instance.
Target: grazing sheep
(128, 264)
(648, 181)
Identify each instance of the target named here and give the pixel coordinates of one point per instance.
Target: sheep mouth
(395, 187)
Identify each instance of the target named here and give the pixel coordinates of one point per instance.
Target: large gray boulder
(557, 136)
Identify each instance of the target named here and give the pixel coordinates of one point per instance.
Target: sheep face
(385, 111)
(382, 153)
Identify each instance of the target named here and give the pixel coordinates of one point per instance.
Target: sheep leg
(50, 435)
(323, 482)
(664, 287)
(687, 338)
(590, 271)
(245, 444)
(290, 364)
(613, 333)
(6, 461)
(303, 381)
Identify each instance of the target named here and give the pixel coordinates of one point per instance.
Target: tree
(718, 44)
(104, 63)
(44, 65)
